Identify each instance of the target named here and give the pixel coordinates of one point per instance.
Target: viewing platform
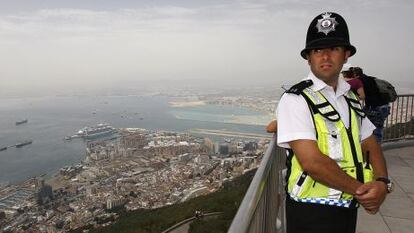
(396, 214)
(263, 211)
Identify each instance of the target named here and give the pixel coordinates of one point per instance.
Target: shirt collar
(318, 85)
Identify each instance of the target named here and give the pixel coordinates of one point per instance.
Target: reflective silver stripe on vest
(355, 105)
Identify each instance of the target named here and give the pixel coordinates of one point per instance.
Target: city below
(134, 168)
(139, 169)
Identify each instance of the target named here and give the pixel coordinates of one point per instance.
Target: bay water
(51, 118)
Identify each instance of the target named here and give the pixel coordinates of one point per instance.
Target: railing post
(281, 190)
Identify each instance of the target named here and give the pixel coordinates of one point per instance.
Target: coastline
(183, 104)
(51, 152)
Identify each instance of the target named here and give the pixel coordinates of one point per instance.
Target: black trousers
(317, 218)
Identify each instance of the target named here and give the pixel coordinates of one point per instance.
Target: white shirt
(294, 119)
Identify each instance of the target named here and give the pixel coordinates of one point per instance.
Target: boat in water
(3, 148)
(22, 144)
(21, 122)
(68, 138)
(101, 130)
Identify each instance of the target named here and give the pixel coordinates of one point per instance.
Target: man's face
(327, 63)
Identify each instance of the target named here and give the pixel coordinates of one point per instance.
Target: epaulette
(298, 88)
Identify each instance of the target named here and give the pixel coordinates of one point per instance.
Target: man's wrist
(389, 185)
(384, 185)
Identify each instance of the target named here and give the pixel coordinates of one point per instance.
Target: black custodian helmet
(327, 30)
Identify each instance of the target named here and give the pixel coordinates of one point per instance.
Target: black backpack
(386, 90)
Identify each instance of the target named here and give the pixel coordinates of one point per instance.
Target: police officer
(334, 162)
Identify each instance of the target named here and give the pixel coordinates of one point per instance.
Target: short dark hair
(357, 71)
(347, 73)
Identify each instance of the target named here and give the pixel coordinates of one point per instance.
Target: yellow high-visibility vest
(334, 140)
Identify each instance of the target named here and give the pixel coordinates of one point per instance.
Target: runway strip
(231, 133)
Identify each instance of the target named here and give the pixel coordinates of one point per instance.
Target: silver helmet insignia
(326, 24)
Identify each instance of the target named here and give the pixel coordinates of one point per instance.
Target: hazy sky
(73, 43)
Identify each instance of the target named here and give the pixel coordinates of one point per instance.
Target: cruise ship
(101, 130)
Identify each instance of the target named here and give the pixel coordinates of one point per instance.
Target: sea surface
(52, 118)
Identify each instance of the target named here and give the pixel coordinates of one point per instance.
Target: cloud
(237, 40)
(125, 43)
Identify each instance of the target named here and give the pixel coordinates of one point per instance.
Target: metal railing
(400, 123)
(264, 198)
(263, 205)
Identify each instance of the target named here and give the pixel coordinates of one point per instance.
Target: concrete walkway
(397, 213)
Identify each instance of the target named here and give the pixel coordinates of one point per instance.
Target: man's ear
(347, 54)
(308, 58)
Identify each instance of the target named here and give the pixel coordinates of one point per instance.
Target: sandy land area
(182, 104)
(231, 133)
(57, 181)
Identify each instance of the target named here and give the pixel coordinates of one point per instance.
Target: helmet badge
(326, 24)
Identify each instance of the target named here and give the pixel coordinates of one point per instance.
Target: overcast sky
(73, 43)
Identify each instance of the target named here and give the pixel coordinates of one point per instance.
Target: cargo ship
(22, 144)
(21, 122)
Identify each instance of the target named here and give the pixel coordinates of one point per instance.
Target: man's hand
(371, 195)
(272, 127)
